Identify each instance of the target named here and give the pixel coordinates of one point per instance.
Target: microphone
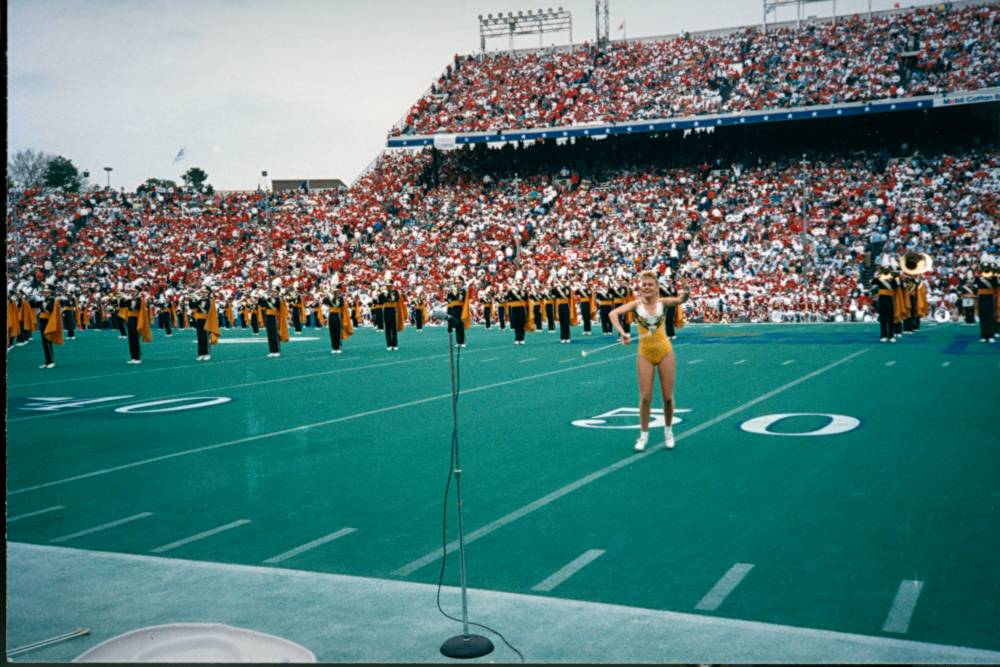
(442, 314)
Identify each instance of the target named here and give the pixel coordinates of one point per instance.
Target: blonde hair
(649, 273)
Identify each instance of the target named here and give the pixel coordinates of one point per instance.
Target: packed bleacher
(929, 50)
(732, 234)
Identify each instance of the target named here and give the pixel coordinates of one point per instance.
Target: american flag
(179, 156)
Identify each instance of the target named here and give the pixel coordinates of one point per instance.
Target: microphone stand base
(464, 648)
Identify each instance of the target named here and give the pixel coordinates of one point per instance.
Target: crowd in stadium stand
(929, 50)
(733, 235)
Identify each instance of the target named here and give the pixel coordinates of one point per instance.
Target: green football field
(821, 480)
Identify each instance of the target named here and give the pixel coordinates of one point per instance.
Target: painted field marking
(524, 361)
(568, 570)
(695, 361)
(486, 361)
(741, 361)
(898, 620)
(483, 531)
(787, 361)
(566, 361)
(723, 587)
(146, 371)
(256, 383)
(35, 513)
(890, 363)
(252, 341)
(296, 429)
(310, 545)
(103, 526)
(200, 536)
(946, 364)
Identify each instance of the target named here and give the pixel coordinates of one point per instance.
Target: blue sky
(301, 88)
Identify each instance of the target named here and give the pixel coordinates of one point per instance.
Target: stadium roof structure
(700, 122)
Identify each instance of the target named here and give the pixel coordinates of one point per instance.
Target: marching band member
(49, 322)
(356, 310)
(13, 318)
(393, 315)
(549, 304)
(605, 298)
(275, 312)
(537, 296)
(655, 356)
(622, 294)
(564, 303)
(205, 316)
(458, 308)
(486, 299)
(164, 314)
(519, 307)
(884, 286)
(297, 306)
(132, 308)
(986, 303)
(967, 299)
(378, 321)
(418, 308)
(501, 305)
(338, 317)
(70, 311)
(675, 315)
(588, 307)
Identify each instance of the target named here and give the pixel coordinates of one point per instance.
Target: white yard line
(726, 585)
(295, 429)
(308, 546)
(898, 620)
(103, 526)
(200, 536)
(432, 556)
(35, 513)
(568, 570)
(255, 383)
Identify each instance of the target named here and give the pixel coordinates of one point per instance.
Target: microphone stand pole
(462, 646)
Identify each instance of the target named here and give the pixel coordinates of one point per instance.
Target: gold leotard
(653, 342)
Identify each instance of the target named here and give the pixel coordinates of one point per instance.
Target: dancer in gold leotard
(655, 352)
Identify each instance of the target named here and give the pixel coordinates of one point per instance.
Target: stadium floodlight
(524, 22)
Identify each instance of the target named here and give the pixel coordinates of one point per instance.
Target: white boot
(640, 444)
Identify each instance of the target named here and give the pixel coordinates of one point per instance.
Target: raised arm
(670, 301)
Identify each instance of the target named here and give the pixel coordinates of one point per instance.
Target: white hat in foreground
(196, 642)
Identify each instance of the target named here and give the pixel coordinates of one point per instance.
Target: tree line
(30, 169)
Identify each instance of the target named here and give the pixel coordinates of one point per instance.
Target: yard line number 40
(628, 418)
(54, 404)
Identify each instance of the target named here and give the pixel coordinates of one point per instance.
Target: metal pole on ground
(463, 646)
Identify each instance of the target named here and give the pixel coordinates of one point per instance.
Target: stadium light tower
(533, 22)
(602, 16)
(771, 6)
(109, 170)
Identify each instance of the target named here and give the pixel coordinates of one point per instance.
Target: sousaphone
(916, 263)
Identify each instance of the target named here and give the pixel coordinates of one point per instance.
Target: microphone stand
(463, 646)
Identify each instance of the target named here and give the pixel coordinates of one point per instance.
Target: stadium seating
(733, 236)
(919, 52)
